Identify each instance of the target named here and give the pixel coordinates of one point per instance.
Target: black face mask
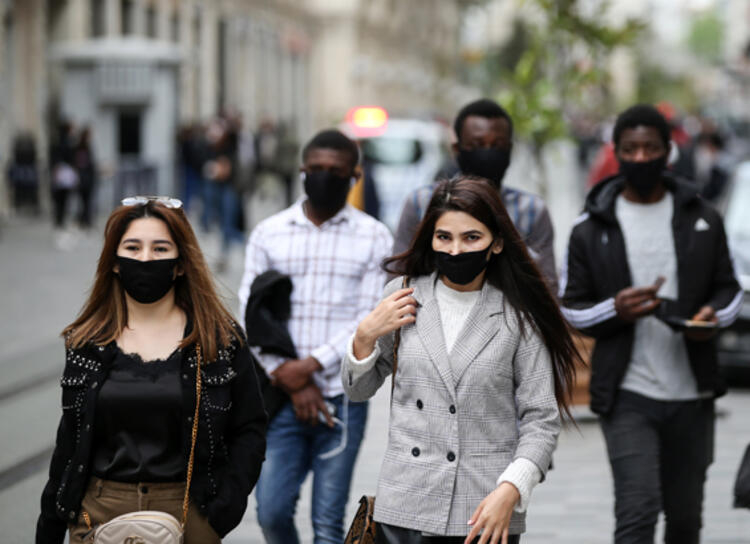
(464, 267)
(643, 176)
(490, 163)
(147, 281)
(326, 191)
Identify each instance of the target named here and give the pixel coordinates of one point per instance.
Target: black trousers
(60, 201)
(659, 452)
(390, 534)
(86, 195)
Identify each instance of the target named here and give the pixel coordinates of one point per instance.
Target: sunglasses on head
(166, 201)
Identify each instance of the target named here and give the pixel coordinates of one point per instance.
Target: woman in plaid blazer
(485, 365)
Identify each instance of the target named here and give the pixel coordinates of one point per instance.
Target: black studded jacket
(229, 451)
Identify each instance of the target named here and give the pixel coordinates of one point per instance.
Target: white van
(398, 156)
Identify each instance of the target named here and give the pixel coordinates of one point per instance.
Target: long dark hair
(105, 313)
(512, 271)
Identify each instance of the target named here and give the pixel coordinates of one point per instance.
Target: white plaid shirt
(336, 276)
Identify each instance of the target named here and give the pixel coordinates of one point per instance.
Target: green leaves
(562, 64)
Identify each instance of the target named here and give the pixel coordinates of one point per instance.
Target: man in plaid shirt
(484, 141)
(333, 253)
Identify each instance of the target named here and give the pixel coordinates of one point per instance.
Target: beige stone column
(331, 62)
(112, 23)
(78, 20)
(139, 17)
(188, 97)
(5, 107)
(209, 60)
(29, 62)
(163, 12)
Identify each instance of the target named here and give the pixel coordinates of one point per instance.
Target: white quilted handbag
(153, 526)
(146, 527)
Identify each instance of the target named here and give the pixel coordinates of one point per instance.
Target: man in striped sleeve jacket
(648, 274)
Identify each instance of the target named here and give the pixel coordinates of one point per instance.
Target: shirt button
(94, 385)
(190, 419)
(71, 515)
(415, 452)
(452, 409)
(420, 405)
(451, 456)
(80, 468)
(184, 376)
(87, 428)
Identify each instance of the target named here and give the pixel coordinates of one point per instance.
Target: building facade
(142, 67)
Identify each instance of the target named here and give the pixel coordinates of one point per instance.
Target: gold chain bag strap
(363, 528)
(153, 526)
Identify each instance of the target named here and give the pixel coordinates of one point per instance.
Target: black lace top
(137, 428)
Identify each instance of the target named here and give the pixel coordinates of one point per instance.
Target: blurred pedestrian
(484, 133)
(153, 321)
(707, 163)
(85, 166)
(23, 173)
(63, 175)
(332, 253)
(191, 148)
(648, 274)
(484, 364)
(222, 203)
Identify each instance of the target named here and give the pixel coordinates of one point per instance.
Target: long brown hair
(105, 313)
(513, 271)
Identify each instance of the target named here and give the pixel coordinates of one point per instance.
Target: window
(127, 15)
(197, 27)
(129, 133)
(97, 18)
(151, 22)
(174, 24)
(392, 151)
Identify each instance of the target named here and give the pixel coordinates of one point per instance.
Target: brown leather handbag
(363, 528)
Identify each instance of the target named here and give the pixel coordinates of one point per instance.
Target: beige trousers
(105, 500)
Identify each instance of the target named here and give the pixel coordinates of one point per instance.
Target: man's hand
(307, 403)
(295, 374)
(493, 515)
(708, 315)
(635, 302)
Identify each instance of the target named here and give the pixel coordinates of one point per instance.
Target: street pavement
(42, 288)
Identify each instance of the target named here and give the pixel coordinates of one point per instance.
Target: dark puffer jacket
(596, 268)
(229, 451)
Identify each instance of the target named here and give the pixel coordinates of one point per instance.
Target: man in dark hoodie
(648, 274)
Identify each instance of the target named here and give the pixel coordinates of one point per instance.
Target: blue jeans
(192, 186)
(222, 205)
(293, 449)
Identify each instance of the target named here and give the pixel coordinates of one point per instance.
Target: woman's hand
(393, 312)
(493, 515)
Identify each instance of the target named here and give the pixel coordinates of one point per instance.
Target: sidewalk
(42, 289)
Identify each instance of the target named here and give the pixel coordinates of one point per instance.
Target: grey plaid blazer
(458, 420)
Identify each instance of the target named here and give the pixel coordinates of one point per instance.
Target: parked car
(398, 155)
(734, 342)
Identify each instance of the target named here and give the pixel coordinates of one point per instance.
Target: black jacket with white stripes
(596, 268)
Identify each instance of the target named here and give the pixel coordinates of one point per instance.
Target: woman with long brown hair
(484, 366)
(152, 347)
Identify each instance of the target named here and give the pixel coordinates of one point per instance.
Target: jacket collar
(482, 324)
(600, 201)
(299, 217)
